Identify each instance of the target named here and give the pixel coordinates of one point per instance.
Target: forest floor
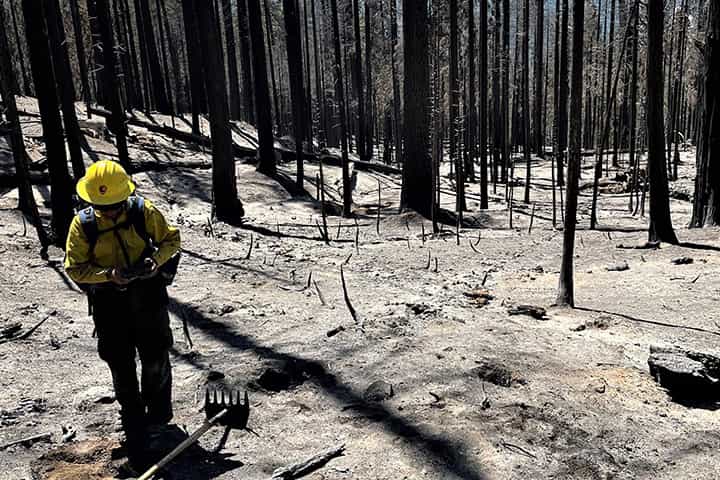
(476, 393)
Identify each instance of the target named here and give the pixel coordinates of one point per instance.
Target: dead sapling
(357, 237)
(210, 228)
(429, 260)
(320, 295)
(436, 266)
(250, 249)
(347, 260)
(477, 242)
(350, 307)
(322, 204)
(532, 219)
(422, 229)
(473, 247)
(379, 208)
(337, 234)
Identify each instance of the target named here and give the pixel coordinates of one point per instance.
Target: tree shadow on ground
(649, 322)
(698, 246)
(435, 449)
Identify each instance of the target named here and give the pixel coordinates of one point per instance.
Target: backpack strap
(88, 222)
(136, 218)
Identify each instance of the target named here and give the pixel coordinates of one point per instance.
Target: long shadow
(698, 246)
(228, 263)
(436, 448)
(86, 148)
(649, 322)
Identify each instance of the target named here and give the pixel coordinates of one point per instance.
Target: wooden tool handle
(207, 425)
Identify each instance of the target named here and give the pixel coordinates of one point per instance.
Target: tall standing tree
(455, 154)
(358, 80)
(417, 163)
(566, 286)
(227, 205)
(246, 60)
(661, 228)
(397, 123)
(471, 132)
(63, 75)
(483, 115)
(153, 65)
(561, 112)
(526, 96)
(297, 91)
(347, 189)
(538, 124)
(706, 205)
(26, 199)
(79, 30)
(44, 79)
(198, 99)
(505, 95)
(231, 60)
(369, 121)
(117, 124)
(263, 113)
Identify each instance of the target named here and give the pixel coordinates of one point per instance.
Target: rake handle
(207, 425)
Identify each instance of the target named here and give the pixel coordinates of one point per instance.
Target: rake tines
(236, 412)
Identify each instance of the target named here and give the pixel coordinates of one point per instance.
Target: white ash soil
(580, 401)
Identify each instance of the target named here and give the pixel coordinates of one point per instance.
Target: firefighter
(123, 253)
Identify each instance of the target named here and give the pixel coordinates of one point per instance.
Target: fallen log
(309, 465)
(176, 134)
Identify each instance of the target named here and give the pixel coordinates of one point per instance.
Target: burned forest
(359, 239)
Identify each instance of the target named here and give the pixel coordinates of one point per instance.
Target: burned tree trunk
(63, 76)
(26, 200)
(359, 89)
(538, 127)
(227, 205)
(263, 114)
(80, 50)
(347, 191)
(661, 228)
(44, 80)
(153, 62)
(295, 69)
(232, 61)
(27, 90)
(471, 103)
(396, 82)
(117, 124)
(706, 205)
(455, 154)
(483, 116)
(198, 100)
(246, 61)
(526, 97)
(561, 112)
(417, 164)
(369, 117)
(566, 286)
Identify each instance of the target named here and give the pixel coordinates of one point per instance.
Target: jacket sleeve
(78, 264)
(166, 238)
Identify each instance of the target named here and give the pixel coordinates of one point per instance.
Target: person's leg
(157, 387)
(154, 338)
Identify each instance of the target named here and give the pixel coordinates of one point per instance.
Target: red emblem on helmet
(103, 189)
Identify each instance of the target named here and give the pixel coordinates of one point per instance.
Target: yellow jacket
(84, 266)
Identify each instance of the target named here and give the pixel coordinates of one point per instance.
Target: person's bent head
(106, 186)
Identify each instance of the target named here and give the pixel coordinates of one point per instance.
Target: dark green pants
(131, 323)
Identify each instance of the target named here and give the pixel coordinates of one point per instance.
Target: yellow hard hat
(105, 183)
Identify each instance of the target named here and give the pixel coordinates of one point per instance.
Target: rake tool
(227, 411)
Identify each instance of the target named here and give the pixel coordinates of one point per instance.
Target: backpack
(135, 218)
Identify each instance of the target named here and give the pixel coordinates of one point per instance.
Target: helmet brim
(92, 197)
